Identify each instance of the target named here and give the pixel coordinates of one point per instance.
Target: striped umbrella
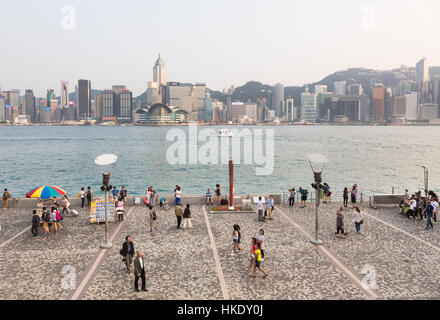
(45, 192)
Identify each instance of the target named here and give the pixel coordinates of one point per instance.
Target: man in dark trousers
(179, 214)
(139, 271)
(89, 196)
(128, 252)
(35, 223)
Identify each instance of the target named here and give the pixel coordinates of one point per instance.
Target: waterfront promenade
(197, 263)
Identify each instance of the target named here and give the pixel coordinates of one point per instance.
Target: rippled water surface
(376, 158)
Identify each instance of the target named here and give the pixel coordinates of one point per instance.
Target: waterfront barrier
(386, 200)
(75, 202)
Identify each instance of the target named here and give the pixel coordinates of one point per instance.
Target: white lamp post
(317, 163)
(103, 161)
(425, 178)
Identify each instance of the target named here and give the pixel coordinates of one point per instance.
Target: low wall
(383, 200)
(75, 202)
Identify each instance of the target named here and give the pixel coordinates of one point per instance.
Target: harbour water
(376, 158)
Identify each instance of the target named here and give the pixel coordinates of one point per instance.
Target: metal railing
(336, 196)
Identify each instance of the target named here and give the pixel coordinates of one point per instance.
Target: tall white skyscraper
(308, 106)
(422, 72)
(160, 74)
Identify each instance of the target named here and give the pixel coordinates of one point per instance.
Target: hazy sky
(220, 42)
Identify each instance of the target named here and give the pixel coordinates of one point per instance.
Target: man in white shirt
(260, 209)
(139, 272)
(434, 204)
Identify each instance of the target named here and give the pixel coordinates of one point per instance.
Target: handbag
(361, 222)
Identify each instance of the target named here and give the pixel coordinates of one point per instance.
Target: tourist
(139, 271)
(82, 195)
(304, 193)
(340, 228)
(260, 240)
(292, 197)
(412, 208)
(252, 255)
(89, 196)
(55, 219)
(236, 235)
(187, 218)
(66, 205)
(421, 206)
(345, 197)
(120, 210)
(209, 197)
(35, 223)
(6, 197)
(123, 194)
(152, 196)
(153, 217)
(260, 209)
(258, 261)
(270, 206)
(353, 195)
(429, 211)
(115, 193)
(325, 191)
(406, 196)
(127, 252)
(178, 195)
(55, 203)
(218, 193)
(45, 216)
(434, 204)
(357, 192)
(358, 220)
(179, 214)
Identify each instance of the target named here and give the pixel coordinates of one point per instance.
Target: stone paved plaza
(183, 264)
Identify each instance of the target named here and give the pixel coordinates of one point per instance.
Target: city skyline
(263, 41)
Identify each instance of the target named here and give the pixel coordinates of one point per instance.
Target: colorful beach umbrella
(45, 192)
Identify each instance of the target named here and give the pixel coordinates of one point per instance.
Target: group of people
(353, 193)
(50, 218)
(270, 206)
(86, 195)
(358, 220)
(418, 207)
(217, 193)
(128, 253)
(256, 253)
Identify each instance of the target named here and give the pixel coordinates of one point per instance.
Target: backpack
(46, 216)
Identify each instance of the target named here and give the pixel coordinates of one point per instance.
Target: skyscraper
(379, 102)
(84, 98)
(117, 89)
(340, 88)
(308, 106)
(124, 113)
(29, 102)
(108, 97)
(278, 100)
(64, 100)
(422, 73)
(160, 74)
